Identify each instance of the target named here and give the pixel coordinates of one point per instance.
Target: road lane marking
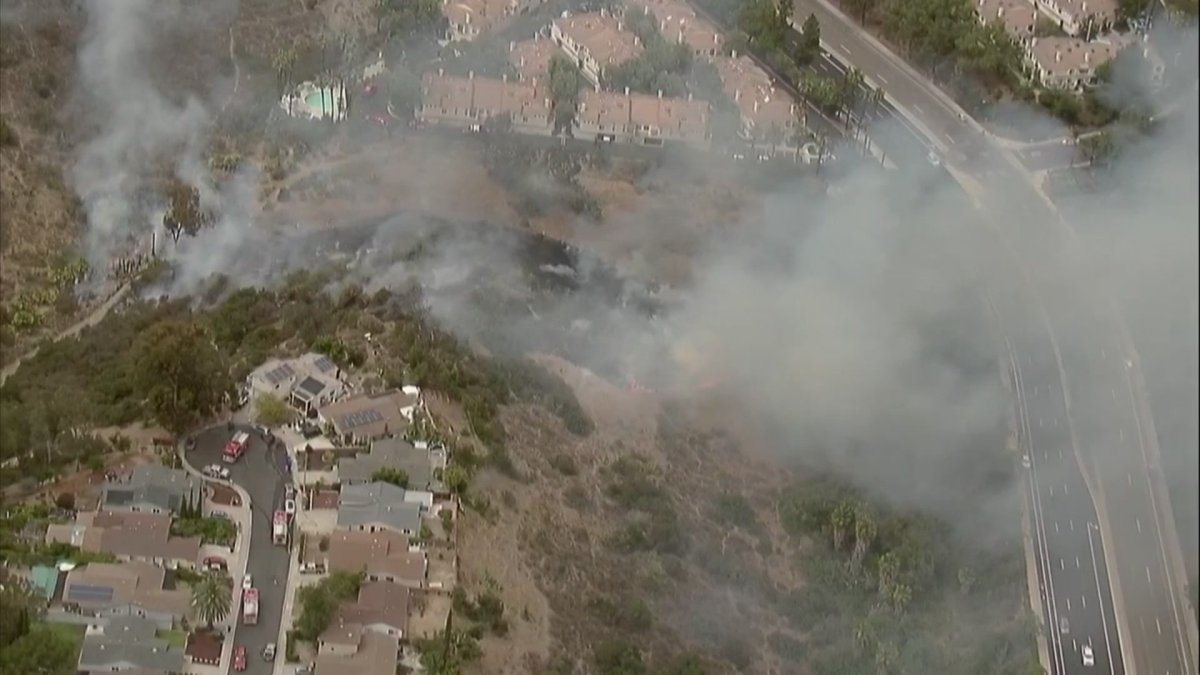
(1051, 490)
(1054, 422)
(1102, 354)
(1121, 433)
(1060, 453)
(1148, 579)
(1129, 478)
(1056, 527)
(882, 79)
(1084, 598)
(1072, 524)
(918, 108)
(1076, 562)
(846, 49)
(1114, 393)
(1040, 421)
(1063, 565)
(1064, 489)
(1139, 524)
(1159, 624)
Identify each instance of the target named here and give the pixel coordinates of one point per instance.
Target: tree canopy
(565, 80)
(181, 373)
(212, 597)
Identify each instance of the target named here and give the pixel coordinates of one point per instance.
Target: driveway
(262, 473)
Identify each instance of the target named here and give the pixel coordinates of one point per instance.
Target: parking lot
(262, 472)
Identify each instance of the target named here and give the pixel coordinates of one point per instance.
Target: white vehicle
(1064, 626)
(269, 652)
(1089, 659)
(934, 159)
(212, 471)
(1025, 461)
(289, 507)
(247, 582)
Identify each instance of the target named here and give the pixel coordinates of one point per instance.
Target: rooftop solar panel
(311, 386)
(283, 372)
(324, 365)
(361, 418)
(85, 593)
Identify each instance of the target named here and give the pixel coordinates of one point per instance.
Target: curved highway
(1098, 494)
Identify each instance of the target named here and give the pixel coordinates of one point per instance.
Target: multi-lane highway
(1097, 492)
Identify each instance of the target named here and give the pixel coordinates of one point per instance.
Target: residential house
(128, 645)
(469, 19)
(374, 507)
(422, 463)
(1069, 63)
(366, 417)
(678, 22)
(471, 101)
(631, 117)
(382, 556)
(531, 58)
(306, 383)
(769, 115)
(595, 41)
(1086, 18)
(130, 537)
(107, 591)
(351, 650)
(153, 488)
(1018, 17)
(381, 607)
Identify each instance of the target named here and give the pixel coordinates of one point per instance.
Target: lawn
(73, 631)
(175, 638)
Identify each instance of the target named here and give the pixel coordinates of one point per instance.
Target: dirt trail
(91, 319)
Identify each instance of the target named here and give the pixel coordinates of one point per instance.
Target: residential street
(261, 473)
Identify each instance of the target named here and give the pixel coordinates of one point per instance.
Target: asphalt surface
(1111, 434)
(1048, 156)
(262, 475)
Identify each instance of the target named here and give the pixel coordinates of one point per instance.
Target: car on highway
(239, 658)
(1064, 626)
(933, 158)
(1025, 461)
(247, 582)
(1089, 659)
(268, 652)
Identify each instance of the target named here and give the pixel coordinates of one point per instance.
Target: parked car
(289, 492)
(239, 658)
(223, 473)
(215, 564)
(289, 506)
(247, 582)
(312, 568)
(269, 652)
(220, 514)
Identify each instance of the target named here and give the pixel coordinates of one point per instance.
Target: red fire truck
(279, 528)
(250, 606)
(236, 447)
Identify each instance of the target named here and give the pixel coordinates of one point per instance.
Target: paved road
(1047, 156)
(1113, 437)
(260, 473)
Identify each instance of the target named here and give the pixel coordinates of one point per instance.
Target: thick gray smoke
(132, 126)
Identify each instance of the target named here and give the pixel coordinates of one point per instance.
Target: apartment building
(1086, 18)
(470, 101)
(678, 22)
(531, 58)
(1069, 63)
(643, 119)
(768, 114)
(595, 41)
(1017, 17)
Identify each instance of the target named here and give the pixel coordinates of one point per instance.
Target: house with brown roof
(130, 537)
(531, 58)
(595, 41)
(1070, 63)
(471, 101)
(678, 22)
(1017, 17)
(352, 650)
(204, 647)
(768, 114)
(469, 19)
(384, 555)
(1086, 18)
(381, 607)
(365, 417)
(632, 117)
(107, 590)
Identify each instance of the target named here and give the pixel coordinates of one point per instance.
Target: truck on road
(250, 606)
(236, 447)
(279, 528)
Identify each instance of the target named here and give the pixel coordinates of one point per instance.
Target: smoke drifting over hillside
(853, 323)
(131, 125)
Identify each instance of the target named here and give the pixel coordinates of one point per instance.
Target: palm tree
(864, 535)
(284, 65)
(842, 520)
(900, 597)
(211, 598)
(886, 654)
(889, 570)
